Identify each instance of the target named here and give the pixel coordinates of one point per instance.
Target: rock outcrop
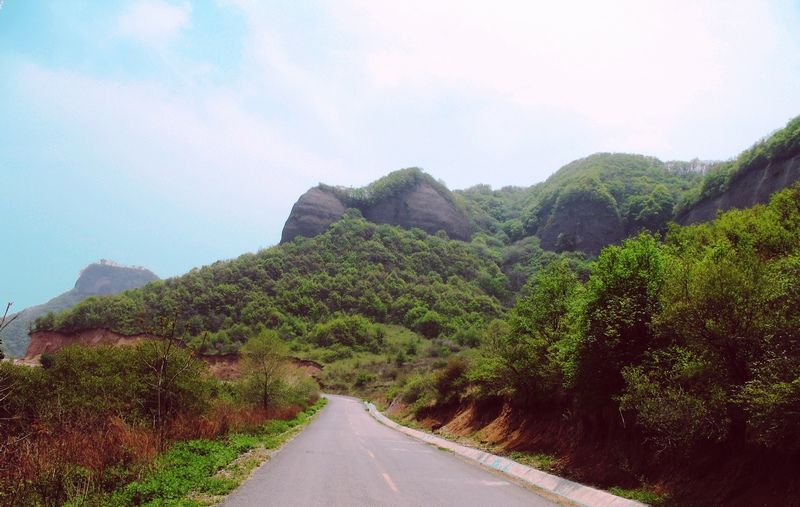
(108, 277)
(420, 206)
(586, 226)
(312, 214)
(751, 188)
(414, 201)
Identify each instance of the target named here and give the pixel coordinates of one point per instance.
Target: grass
(543, 462)
(359, 371)
(645, 495)
(201, 472)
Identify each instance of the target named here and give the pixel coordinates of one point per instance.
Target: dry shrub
(50, 466)
(223, 418)
(285, 413)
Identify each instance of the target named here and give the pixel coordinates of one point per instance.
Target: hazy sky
(171, 134)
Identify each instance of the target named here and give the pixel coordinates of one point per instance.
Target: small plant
(363, 378)
(644, 495)
(401, 358)
(47, 360)
(543, 462)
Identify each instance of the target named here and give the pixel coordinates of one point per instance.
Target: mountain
(408, 198)
(770, 165)
(584, 206)
(99, 278)
(405, 250)
(604, 198)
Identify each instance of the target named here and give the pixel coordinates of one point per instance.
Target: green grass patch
(543, 462)
(201, 472)
(644, 495)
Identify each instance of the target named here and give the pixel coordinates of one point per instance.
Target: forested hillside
(673, 353)
(386, 274)
(604, 198)
(102, 277)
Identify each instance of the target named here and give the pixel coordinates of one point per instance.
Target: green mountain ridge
(99, 278)
(515, 231)
(672, 355)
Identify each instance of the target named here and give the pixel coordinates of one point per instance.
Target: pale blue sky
(171, 134)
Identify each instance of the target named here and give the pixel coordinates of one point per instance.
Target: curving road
(346, 458)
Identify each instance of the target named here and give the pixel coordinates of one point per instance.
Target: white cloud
(205, 153)
(637, 68)
(155, 22)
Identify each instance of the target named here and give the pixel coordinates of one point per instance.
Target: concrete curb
(584, 495)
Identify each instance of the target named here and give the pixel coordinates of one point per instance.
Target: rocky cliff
(587, 226)
(407, 198)
(312, 214)
(753, 187)
(420, 206)
(108, 277)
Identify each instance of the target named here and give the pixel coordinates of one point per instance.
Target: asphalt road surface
(346, 458)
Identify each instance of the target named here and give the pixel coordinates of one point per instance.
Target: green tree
(265, 365)
(541, 324)
(730, 321)
(622, 295)
(171, 372)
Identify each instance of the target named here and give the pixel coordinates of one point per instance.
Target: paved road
(346, 458)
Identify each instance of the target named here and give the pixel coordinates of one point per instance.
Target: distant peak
(109, 277)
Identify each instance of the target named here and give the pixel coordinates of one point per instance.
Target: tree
(730, 324)
(265, 365)
(4, 322)
(622, 295)
(540, 324)
(172, 372)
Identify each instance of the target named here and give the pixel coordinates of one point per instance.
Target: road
(346, 458)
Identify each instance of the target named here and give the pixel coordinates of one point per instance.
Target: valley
(627, 323)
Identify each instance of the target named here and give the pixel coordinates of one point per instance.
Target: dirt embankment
(51, 341)
(603, 451)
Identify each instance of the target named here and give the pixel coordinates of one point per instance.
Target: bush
(450, 380)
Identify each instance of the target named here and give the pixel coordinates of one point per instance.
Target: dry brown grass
(49, 465)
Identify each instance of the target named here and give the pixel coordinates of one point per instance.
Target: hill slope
(408, 198)
(770, 165)
(100, 278)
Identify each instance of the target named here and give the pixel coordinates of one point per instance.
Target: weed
(644, 495)
(543, 462)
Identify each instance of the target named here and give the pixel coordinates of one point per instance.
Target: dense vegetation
(91, 421)
(331, 289)
(102, 277)
(781, 145)
(696, 340)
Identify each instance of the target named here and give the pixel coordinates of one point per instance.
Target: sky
(172, 134)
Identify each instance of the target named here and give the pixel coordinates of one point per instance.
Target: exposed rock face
(422, 207)
(108, 277)
(586, 226)
(419, 205)
(312, 214)
(751, 188)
